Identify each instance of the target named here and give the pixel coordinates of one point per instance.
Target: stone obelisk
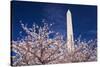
(70, 38)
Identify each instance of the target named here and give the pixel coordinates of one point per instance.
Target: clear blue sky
(84, 17)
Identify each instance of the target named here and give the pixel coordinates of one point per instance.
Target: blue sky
(84, 17)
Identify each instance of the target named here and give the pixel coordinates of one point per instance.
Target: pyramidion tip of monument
(69, 11)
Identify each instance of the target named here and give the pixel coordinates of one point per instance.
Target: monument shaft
(70, 38)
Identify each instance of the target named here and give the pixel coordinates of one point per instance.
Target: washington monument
(70, 38)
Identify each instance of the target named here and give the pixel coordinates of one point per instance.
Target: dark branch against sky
(84, 17)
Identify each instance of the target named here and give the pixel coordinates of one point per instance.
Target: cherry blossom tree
(37, 47)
